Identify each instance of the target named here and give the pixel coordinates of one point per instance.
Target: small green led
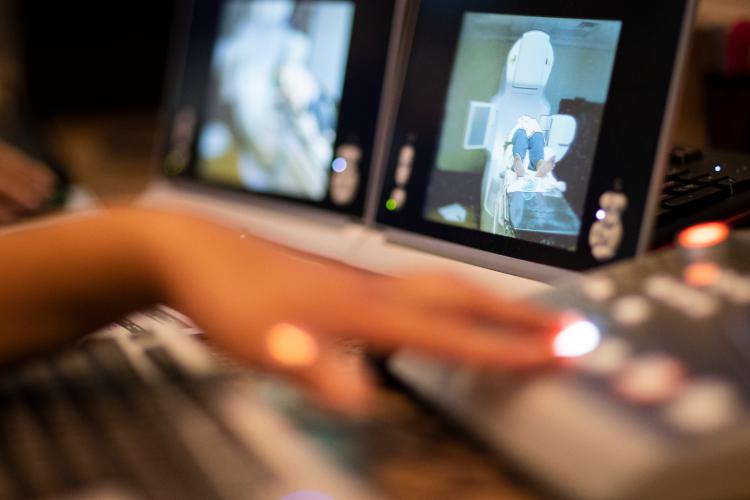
(391, 205)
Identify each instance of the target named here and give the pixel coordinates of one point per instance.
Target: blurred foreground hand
(262, 304)
(25, 184)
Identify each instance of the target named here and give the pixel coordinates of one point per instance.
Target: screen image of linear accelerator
(521, 125)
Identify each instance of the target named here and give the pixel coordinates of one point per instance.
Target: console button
(650, 379)
(405, 165)
(733, 286)
(397, 199)
(691, 302)
(704, 406)
(598, 288)
(631, 310)
(608, 359)
(707, 235)
(606, 233)
(345, 180)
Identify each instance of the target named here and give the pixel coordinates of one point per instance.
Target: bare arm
(70, 275)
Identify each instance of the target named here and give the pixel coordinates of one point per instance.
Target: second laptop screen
(272, 111)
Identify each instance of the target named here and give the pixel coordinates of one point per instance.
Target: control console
(652, 400)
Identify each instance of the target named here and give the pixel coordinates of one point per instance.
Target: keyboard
(149, 415)
(701, 187)
(659, 405)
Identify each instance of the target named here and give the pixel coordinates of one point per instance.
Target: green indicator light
(391, 205)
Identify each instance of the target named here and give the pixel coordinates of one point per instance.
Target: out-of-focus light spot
(339, 165)
(717, 168)
(702, 274)
(291, 346)
(391, 205)
(704, 235)
(215, 141)
(577, 339)
(601, 214)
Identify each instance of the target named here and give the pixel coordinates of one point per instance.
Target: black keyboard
(127, 418)
(701, 187)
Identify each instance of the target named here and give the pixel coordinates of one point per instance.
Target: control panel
(653, 397)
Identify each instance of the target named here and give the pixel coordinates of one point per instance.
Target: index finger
(449, 293)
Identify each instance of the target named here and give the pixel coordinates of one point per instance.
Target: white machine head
(530, 63)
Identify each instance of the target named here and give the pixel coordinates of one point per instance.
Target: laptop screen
(521, 124)
(533, 130)
(286, 96)
(271, 116)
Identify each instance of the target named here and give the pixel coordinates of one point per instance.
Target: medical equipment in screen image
(521, 126)
(278, 73)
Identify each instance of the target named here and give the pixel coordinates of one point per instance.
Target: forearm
(67, 276)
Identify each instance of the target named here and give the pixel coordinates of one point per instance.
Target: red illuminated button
(702, 274)
(704, 235)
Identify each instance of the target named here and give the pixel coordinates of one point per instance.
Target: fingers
(452, 337)
(446, 292)
(438, 315)
(24, 182)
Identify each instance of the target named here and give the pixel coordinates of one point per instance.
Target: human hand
(25, 184)
(270, 307)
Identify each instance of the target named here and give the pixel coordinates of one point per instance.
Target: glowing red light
(704, 235)
(702, 274)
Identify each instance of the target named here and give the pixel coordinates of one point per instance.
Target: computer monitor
(280, 98)
(535, 130)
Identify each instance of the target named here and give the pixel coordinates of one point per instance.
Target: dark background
(86, 56)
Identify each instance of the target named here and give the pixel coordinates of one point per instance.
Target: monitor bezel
(366, 74)
(428, 79)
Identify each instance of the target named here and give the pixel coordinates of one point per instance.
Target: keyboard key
(702, 197)
(669, 185)
(693, 175)
(735, 185)
(685, 154)
(686, 188)
(676, 171)
(711, 178)
(665, 198)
